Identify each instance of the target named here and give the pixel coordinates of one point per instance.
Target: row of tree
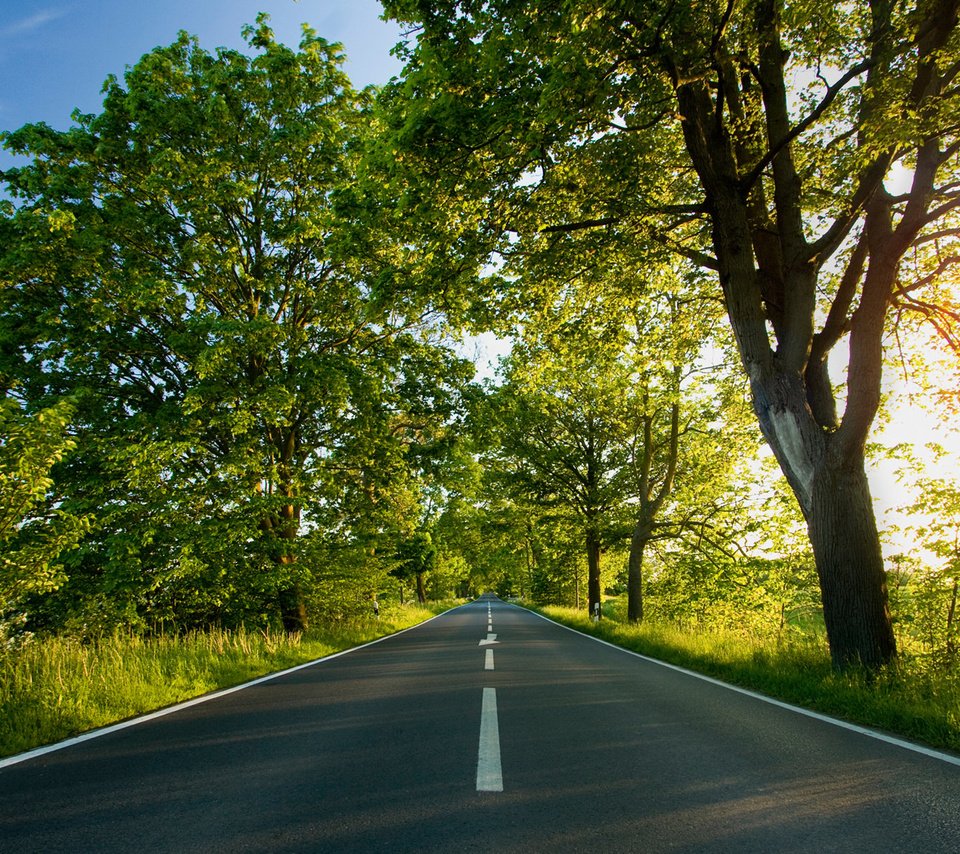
(227, 303)
(806, 157)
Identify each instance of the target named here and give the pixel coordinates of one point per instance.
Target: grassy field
(914, 700)
(55, 688)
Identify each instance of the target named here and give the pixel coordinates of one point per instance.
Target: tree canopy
(187, 268)
(230, 302)
(764, 142)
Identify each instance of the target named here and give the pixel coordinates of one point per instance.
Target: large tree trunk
(593, 572)
(421, 591)
(826, 473)
(821, 459)
(853, 584)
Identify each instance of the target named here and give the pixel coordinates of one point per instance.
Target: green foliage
(34, 532)
(486, 539)
(190, 268)
(925, 591)
(766, 596)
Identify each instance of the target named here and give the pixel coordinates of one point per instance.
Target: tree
(559, 445)
(608, 412)
(416, 556)
(189, 269)
(680, 461)
(762, 140)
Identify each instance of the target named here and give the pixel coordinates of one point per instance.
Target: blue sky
(56, 54)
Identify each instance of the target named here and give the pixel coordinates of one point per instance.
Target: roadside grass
(58, 687)
(912, 699)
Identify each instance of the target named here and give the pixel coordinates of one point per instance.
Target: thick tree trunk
(593, 572)
(828, 478)
(293, 609)
(822, 460)
(421, 591)
(827, 475)
(853, 584)
(638, 544)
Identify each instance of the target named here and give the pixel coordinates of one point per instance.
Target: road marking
(489, 627)
(205, 698)
(489, 640)
(870, 733)
(489, 770)
(488, 661)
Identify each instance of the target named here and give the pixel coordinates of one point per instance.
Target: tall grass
(54, 688)
(911, 698)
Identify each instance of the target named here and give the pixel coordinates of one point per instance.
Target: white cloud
(31, 23)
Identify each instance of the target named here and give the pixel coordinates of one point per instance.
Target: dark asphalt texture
(376, 750)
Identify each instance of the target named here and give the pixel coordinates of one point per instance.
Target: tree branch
(753, 176)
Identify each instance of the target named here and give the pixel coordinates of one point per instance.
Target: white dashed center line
(489, 771)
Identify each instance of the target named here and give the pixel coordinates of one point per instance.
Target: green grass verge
(56, 688)
(915, 702)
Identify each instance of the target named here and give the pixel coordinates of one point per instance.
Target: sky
(56, 54)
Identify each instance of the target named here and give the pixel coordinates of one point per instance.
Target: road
(487, 729)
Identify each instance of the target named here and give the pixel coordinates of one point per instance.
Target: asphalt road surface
(487, 729)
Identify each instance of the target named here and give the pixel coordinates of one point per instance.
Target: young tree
(763, 140)
(416, 556)
(681, 457)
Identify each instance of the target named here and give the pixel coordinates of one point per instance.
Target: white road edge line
(196, 701)
(488, 660)
(870, 733)
(489, 770)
